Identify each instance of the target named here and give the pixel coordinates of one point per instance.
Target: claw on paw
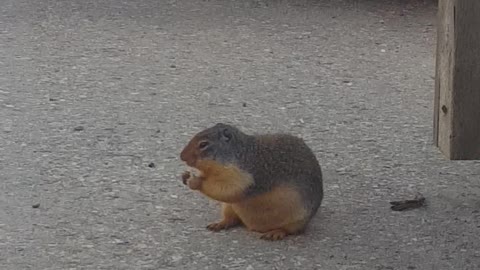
(216, 227)
(185, 176)
(274, 235)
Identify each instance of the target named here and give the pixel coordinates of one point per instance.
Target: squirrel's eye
(203, 145)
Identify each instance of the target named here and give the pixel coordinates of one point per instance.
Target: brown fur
(229, 219)
(282, 211)
(275, 211)
(225, 183)
(190, 153)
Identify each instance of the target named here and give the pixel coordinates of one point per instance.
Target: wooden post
(457, 84)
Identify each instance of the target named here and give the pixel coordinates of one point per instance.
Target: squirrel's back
(270, 183)
(283, 159)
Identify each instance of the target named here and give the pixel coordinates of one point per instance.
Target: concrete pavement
(92, 92)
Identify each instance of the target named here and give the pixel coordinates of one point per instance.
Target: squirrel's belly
(277, 208)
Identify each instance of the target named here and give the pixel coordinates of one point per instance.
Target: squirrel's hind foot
(274, 235)
(222, 225)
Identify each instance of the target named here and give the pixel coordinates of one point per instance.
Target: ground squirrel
(270, 183)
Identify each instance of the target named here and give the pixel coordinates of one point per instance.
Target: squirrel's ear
(226, 134)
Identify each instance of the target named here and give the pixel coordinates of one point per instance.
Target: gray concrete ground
(91, 92)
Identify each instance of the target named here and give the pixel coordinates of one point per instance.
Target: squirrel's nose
(183, 155)
(187, 157)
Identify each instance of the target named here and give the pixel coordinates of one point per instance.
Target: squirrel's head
(212, 143)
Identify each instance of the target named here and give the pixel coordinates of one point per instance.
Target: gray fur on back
(273, 160)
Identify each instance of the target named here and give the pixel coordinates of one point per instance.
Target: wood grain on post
(457, 85)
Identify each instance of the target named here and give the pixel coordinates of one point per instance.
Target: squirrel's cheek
(190, 160)
(188, 155)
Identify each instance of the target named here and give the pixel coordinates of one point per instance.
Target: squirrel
(271, 183)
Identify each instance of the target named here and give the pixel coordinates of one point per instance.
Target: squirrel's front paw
(185, 176)
(193, 182)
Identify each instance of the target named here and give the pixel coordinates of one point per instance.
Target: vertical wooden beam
(457, 84)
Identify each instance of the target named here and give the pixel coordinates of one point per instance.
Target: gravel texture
(97, 98)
